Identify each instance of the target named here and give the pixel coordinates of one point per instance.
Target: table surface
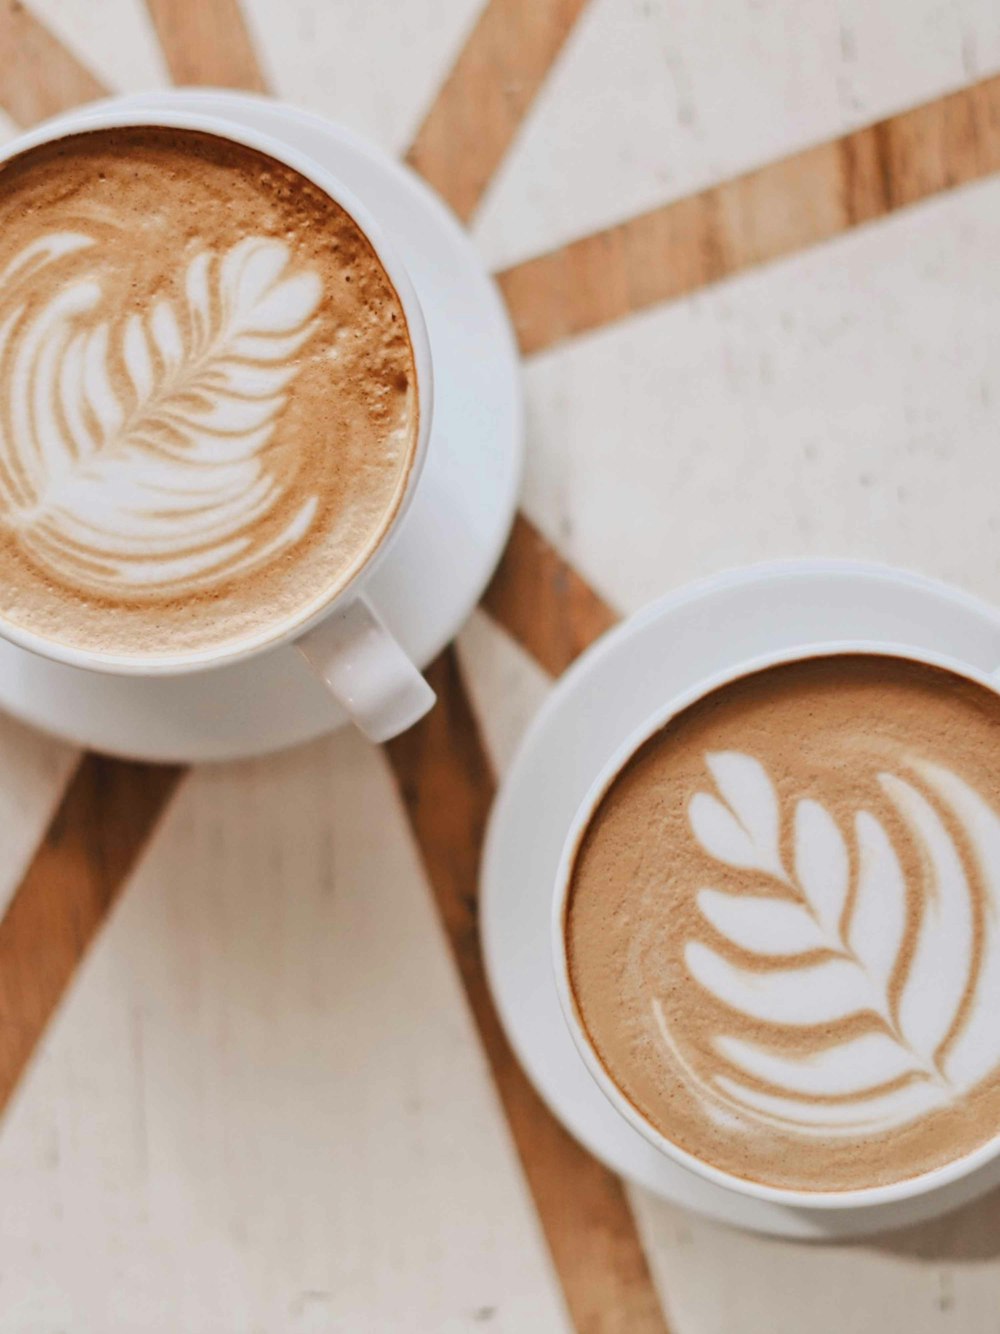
(250, 1074)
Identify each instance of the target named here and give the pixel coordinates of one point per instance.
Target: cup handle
(366, 671)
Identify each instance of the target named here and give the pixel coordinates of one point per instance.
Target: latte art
(133, 447)
(208, 402)
(784, 924)
(840, 950)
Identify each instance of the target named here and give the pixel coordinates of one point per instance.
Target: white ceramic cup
(849, 1199)
(340, 634)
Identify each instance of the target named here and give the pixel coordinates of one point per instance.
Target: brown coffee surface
(208, 401)
(783, 924)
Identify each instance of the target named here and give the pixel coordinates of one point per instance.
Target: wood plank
(207, 42)
(536, 596)
(275, 961)
(447, 787)
(769, 213)
(475, 117)
(541, 601)
(101, 827)
(39, 77)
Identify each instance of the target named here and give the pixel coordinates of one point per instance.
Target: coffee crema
(208, 400)
(783, 924)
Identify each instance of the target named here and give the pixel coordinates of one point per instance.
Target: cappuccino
(783, 924)
(208, 400)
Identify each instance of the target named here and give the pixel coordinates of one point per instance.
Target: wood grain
(535, 596)
(764, 215)
(441, 767)
(207, 42)
(475, 117)
(541, 601)
(101, 827)
(39, 77)
(447, 787)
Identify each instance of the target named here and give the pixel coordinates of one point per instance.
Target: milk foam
(133, 447)
(841, 952)
(786, 947)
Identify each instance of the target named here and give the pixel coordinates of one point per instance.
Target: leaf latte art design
(134, 444)
(867, 995)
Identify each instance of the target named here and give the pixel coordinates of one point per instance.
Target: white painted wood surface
(654, 99)
(845, 401)
(113, 38)
(374, 67)
(262, 1107)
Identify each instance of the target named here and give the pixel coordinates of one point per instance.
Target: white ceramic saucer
(661, 652)
(448, 543)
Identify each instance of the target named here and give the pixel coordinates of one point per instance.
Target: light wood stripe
(535, 595)
(441, 767)
(478, 111)
(39, 77)
(543, 603)
(775, 211)
(445, 782)
(103, 823)
(207, 42)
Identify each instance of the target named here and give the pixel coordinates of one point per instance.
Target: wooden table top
(251, 1077)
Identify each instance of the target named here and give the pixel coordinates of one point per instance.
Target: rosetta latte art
(134, 446)
(897, 983)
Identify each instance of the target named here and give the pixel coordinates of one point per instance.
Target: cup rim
(861, 1197)
(112, 116)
